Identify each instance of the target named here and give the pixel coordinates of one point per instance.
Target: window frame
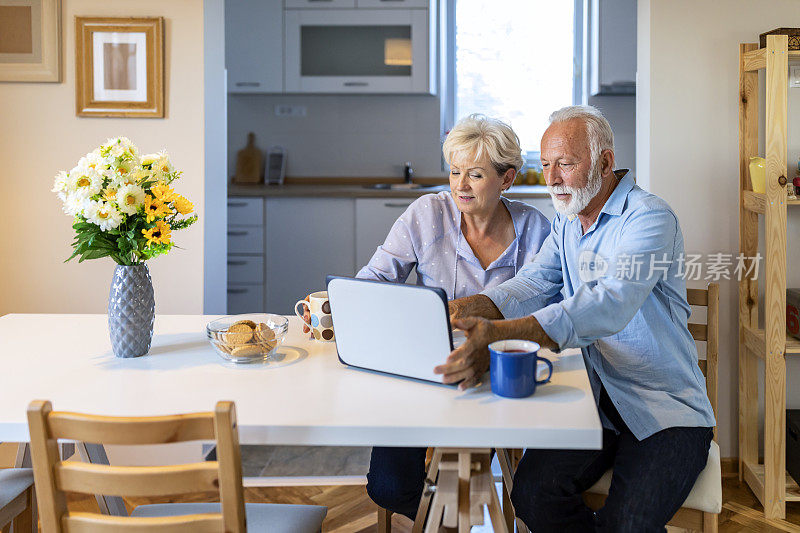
(447, 62)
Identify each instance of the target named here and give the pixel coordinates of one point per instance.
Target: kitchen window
(517, 60)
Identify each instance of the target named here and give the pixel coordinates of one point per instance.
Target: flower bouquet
(123, 207)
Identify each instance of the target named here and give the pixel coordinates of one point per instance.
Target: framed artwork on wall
(119, 65)
(30, 40)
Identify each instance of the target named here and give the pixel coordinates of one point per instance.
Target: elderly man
(614, 252)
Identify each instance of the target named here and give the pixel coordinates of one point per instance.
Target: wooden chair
(701, 509)
(55, 477)
(16, 500)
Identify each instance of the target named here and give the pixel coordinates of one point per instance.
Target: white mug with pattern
(320, 310)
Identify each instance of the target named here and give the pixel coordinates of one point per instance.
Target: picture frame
(119, 64)
(30, 40)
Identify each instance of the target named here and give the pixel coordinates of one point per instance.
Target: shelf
(756, 342)
(754, 476)
(757, 59)
(757, 201)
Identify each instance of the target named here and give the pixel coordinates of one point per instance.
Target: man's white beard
(579, 197)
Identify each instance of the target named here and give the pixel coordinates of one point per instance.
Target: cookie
(239, 333)
(247, 350)
(248, 322)
(263, 333)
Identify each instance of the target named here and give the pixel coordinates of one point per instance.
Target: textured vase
(131, 311)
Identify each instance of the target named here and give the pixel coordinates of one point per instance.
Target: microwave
(359, 51)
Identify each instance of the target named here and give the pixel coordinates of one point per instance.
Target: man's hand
(478, 305)
(470, 361)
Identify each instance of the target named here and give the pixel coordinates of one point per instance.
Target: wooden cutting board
(249, 163)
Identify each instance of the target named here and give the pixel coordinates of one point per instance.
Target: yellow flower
(160, 234)
(162, 192)
(182, 205)
(110, 194)
(154, 208)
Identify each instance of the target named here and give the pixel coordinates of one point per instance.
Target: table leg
(95, 453)
(464, 485)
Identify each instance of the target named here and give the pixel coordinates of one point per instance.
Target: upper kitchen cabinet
(360, 50)
(254, 46)
(611, 58)
(392, 4)
(320, 4)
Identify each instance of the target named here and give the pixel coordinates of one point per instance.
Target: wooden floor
(351, 511)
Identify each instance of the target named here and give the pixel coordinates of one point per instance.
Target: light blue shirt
(631, 326)
(428, 236)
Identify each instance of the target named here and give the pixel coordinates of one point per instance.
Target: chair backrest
(708, 332)
(53, 477)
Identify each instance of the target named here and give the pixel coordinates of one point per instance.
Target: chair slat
(697, 296)
(96, 523)
(124, 430)
(86, 478)
(703, 364)
(699, 331)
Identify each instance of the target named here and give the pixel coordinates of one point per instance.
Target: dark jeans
(396, 477)
(651, 480)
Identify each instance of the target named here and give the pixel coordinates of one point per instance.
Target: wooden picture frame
(119, 64)
(30, 40)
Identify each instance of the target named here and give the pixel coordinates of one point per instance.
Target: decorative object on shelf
(758, 176)
(249, 163)
(124, 208)
(30, 40)
(793, 312)
(119, 64)
(793, 33)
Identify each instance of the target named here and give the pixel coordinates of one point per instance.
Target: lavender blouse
(428, 236)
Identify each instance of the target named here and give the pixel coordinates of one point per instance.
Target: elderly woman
(464, 240)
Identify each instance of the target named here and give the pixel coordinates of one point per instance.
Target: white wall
(687, 130)
(41, 135)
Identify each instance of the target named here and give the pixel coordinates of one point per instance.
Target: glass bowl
(247, 338)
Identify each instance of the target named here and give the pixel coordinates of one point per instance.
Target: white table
(308, 398)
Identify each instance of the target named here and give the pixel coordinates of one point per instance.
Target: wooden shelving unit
(769, 481)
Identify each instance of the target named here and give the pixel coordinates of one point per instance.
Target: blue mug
(513, 368)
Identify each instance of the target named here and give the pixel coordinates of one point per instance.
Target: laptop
(391, 327)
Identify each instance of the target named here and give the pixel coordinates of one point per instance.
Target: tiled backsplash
(341, 136)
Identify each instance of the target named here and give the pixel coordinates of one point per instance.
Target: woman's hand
(470, 361)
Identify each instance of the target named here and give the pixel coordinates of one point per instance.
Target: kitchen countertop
(356, 191)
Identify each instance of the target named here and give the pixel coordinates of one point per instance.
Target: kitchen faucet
(408, 172)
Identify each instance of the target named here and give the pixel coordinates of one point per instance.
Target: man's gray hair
(598, 130)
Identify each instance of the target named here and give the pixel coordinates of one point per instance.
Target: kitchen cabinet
(254, 46)
(360, 50)
(611, 58)
(306, 240)
(320, 4)
(545, 205)
(374, 219)
(393, 4)
(245, 255)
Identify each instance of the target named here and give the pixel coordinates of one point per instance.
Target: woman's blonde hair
(479, 135)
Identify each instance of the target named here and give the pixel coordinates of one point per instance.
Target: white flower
(149, 159)
(103, 214)
(60, 183)
(93, 161)
(121, 147)
(74, 204)
(162, 167)
(129, 198)
(85, 182)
